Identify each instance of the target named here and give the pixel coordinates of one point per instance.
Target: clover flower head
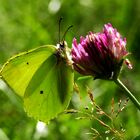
(100, 54)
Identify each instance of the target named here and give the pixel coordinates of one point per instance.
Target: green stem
(128, 93)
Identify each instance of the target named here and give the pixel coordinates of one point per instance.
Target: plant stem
(128, 93)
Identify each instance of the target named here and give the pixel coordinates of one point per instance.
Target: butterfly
(43, 78)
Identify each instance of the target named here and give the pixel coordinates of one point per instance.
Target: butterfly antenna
(63, 38)
(59, 28)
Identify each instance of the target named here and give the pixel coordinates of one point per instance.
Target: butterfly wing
(52, 93)
(43, 79)
(18, 70)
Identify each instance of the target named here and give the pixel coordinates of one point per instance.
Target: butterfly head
(63, 52)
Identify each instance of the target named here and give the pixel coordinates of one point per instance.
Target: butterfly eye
(61, 45)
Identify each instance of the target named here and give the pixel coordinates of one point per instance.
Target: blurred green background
(28, 24)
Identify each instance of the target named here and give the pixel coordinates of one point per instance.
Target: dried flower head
(100, 54)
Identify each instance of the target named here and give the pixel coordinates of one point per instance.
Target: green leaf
(84, 78)
(83, 83)
(43, 79)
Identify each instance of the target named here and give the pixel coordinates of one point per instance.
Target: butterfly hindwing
(53, 94)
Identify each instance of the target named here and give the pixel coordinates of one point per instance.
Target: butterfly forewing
(18, 71)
